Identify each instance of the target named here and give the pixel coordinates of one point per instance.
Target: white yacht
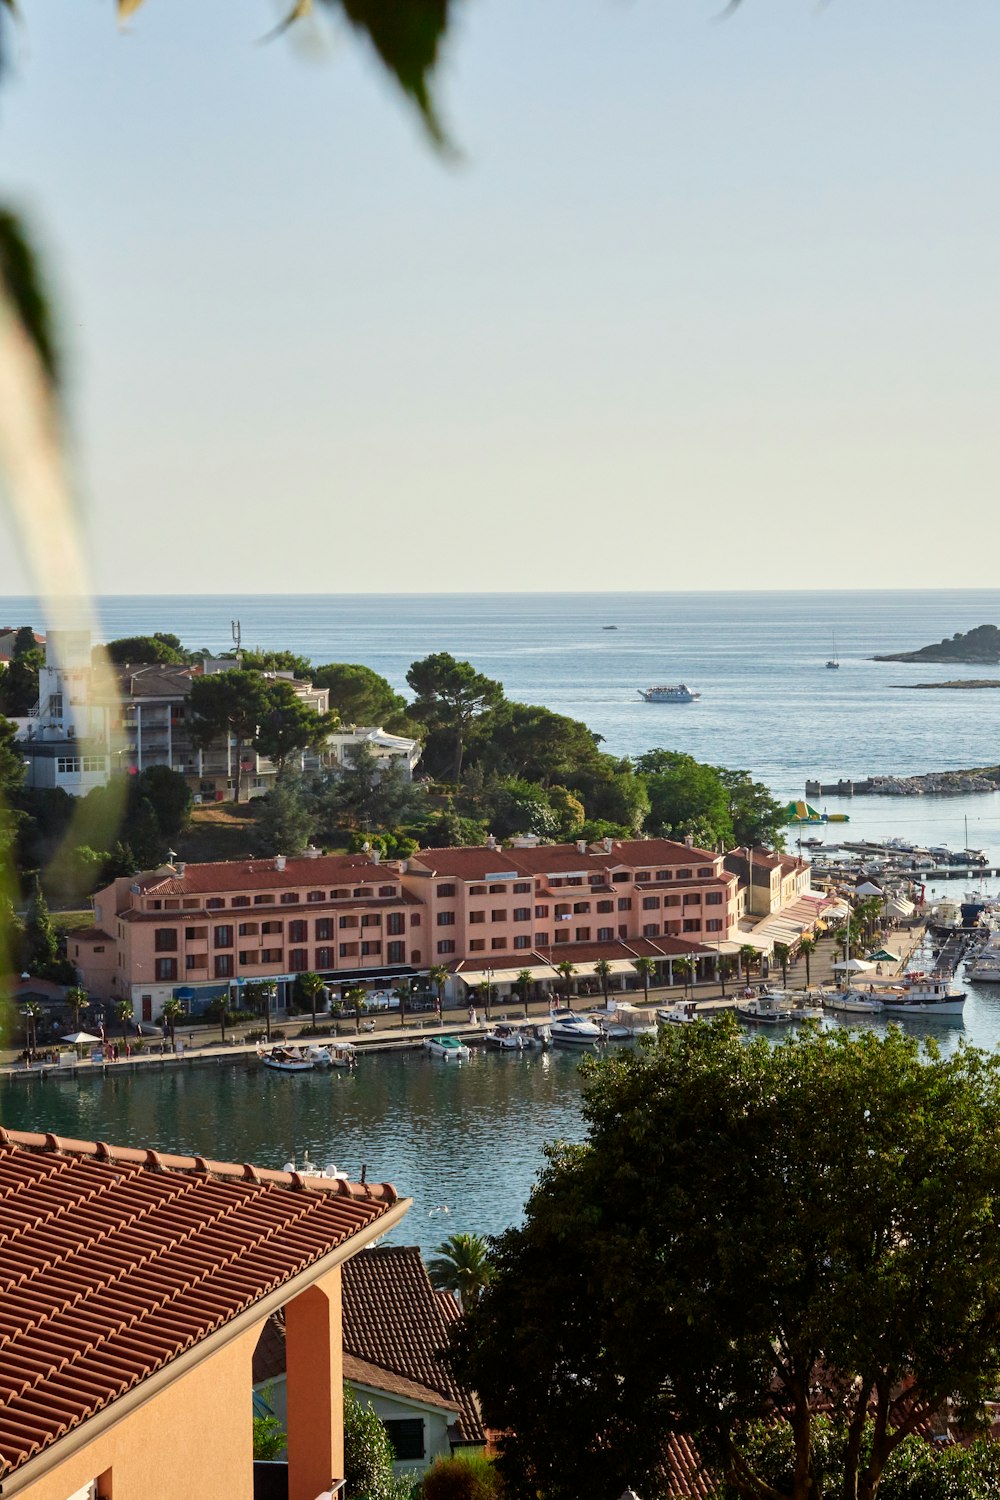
(851, 1002)
(679, 693)
(566, 1026)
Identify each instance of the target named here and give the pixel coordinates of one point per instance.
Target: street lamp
(489, 982)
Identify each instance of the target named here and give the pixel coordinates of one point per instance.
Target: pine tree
(41, 946)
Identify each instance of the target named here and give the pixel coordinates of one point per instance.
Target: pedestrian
(472, 1015)
(128, 1050)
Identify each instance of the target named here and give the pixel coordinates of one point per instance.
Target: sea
(768, 703)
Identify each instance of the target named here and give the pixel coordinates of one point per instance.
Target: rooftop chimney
(376, 854)
(608, 845)
(180, 867)
(312, 852)
(491, 842)
(279, 861)
(581, 846)
(689, 840)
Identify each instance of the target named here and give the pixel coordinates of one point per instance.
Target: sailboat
(834, 663)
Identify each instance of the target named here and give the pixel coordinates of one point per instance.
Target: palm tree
(124, 1012)
(438, 976)
(602, 970)
(402, 994)
(748, 957)
(645, 968)
(310, 985)
(171, 1013)
(685, 968)
(783, 953)
(567, 970)
(356, 996)
(462, 1266)
(523, 983)
(32, 1013)
(260, 994)
(807, 946)
(483, 989)
(76, 999)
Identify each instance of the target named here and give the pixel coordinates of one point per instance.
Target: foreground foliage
(748, 1231)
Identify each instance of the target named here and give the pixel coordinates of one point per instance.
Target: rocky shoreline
(932, 783)
(968, 682)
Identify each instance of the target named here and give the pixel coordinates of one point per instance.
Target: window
(619, 876)
(521, 887)
(248, 929)
(477, 916)
(498, 916)
(396, 953)
(541, 939)
(289, 898)
(683, 874)
(714, 924)
(272, 927)
(692, 898)
(583, 934)
(692, 924)
(407, 1436)
(266, 900)
(214, 902)
(477, 890)
(541, 911)
(498, 890)
(387, 890)
(372, 919)
(446, 919)
(498, 944)
(324, 958)
(92, 764)
(522, 913)
(415, 919)
(446, 890)
(223, 965)
(348, 922)
(324, 929)
(651, 929)
(56, 706)
(671, 900)
(223, 936)
(166, 968)
(195, 961)
(605, 906)
(415, 956)
(624, 903)
(249, 956)
(476, 945)
(605, 934)
(581, 907)
(705, 873)
(298, 932)
(371, 949)
(650, 903)
(68, 765)
(298, 960)
(395, 923)
(165, 940)
(522, 941)
(448, 946)
(641, 875)
(240, 901)
(339, 894)
(713, 898)
(663, 875)
(315, 895)
(562, 936)
(623, 932)
(348, 950)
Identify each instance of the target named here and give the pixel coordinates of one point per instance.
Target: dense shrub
(468, 1477)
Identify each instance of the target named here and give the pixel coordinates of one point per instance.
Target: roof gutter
(123, 1406)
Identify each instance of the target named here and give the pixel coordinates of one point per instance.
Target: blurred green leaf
(407, 35)
(22, 282)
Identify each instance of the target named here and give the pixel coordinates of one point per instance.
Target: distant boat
(609, 627)
(679, 693)
(834, 661)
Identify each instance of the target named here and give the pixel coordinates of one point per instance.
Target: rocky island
(979, 645)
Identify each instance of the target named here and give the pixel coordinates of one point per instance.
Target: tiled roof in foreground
(114, 1261)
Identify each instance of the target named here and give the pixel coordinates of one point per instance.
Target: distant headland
(980, 645)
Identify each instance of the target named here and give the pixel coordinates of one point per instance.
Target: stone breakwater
(933, 783)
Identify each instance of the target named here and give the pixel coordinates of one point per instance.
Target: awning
(475, 977)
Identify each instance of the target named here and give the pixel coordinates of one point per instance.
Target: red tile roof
(393, 1319)
(263, 874)
(553, 859)
(113, 1261)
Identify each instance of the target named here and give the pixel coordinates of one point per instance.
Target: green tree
(807, 947)
(224, 704)
(277, 661)
(402, 994)
(171, 1013)
(645, 968)
(309, 986)
(41, 946)
(602, 970)
(19, 684)
(360, 696)
(286, 822)
(12, 767)
(520, 807)
(437, 975)
(530, 743)
(756, 818)
(160, 648)
(169, 796)
(783, 953)
(288, 724)
(524, 982)
(122, 1012)
(368, 1453)
(865, 1169)
(685, 795)
(31, 1013)
(259, 995)
(450, 696)
(566, 970)
(685, 968)
(355, 998)
(462, 1265)
(76, 999)
(749, 957)
(450, 831)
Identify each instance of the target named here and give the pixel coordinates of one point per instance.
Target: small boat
(765, 1008)
(573, 1030)
(678, 693)
(924, 995)
(342, 1055)
(535, 1034)
(320, 1058)
(834, 662)
(609, 627)
(681, 1014)
(851, 1002)
(285, 1060)
(449, 1048)
(505, 1038)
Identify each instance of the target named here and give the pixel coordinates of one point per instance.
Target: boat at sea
(984, 966)
(448, 1048)
(934, 994)
(683, 1013)
(678, 693)
(504, 1038)
(850, 1002)
(765, 1009)
(286, 1060)
(573, 1030)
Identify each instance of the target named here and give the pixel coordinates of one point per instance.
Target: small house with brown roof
(395, 1329)
(134, 1286)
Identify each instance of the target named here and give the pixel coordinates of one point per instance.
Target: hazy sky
(702, 305)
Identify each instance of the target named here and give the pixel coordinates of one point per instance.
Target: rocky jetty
(962, 682)
(980, 645)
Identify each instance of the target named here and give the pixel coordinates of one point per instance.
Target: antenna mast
(237, 642)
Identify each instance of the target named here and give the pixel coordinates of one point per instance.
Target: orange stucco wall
(193, 1438)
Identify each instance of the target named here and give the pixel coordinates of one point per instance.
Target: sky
(694, 303)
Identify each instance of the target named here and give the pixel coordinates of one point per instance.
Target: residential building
(195, 932)
(136, 1289)
(388, 749)
(771, 880)
(66, 741)
(395, 1328)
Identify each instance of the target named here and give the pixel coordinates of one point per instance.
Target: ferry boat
(678, 693)
(924, 995)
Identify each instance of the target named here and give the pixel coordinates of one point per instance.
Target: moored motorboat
(504, 1038)
(320, 1058)
(765, 1009)
(285, 1060)
(851, 1002)
(924, 995)
(573, 1030)
(448, 1048)
(681, 1014)
(343, 1055)
(535, 1034)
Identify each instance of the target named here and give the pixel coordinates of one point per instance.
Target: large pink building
(193, 931)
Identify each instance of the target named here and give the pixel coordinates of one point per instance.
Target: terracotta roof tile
(364, 1373)
(261, 874)
(553, 859)
(114, 1260)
